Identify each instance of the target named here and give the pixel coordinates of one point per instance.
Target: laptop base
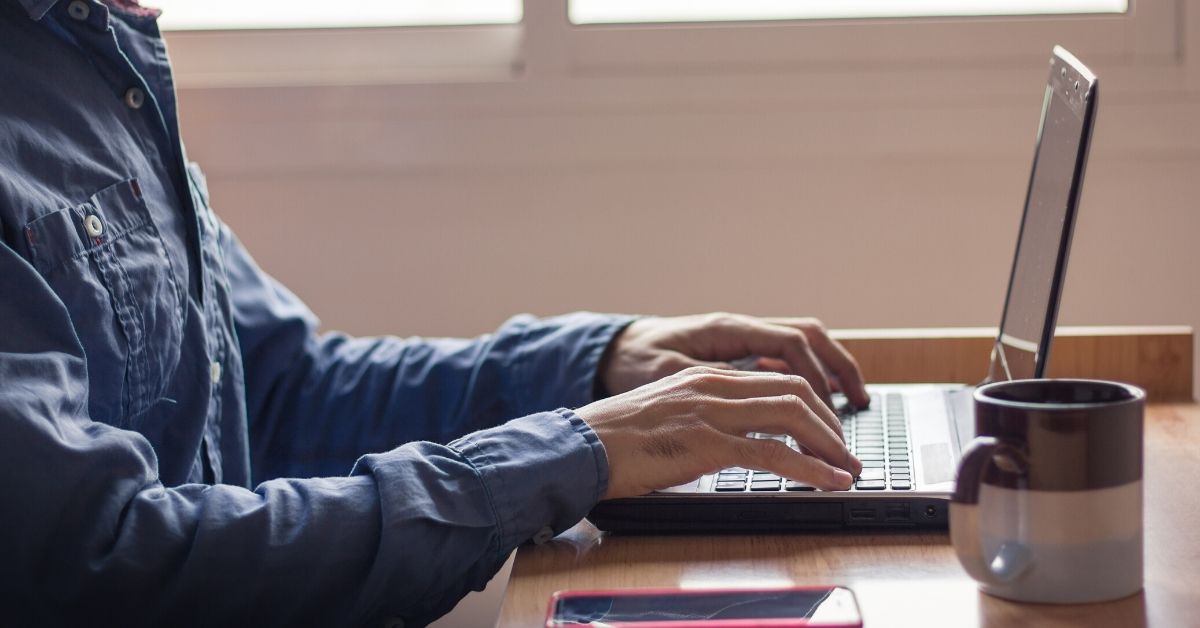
(695, 514)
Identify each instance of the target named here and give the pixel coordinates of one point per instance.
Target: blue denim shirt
(158, 390)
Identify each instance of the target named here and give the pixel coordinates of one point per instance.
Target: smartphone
(821, 606)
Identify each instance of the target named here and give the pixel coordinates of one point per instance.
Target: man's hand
(653, 348)
(695, 422)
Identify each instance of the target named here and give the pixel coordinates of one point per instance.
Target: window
(272, 14)
(311, 42)
(638, 11)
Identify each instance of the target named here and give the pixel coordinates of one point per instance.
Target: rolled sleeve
(451, 514)
(539, 471)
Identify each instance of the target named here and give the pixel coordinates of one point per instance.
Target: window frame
(546, 46)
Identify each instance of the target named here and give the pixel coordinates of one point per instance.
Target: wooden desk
(901, 579)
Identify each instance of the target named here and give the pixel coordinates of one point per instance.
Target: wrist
(601, 381)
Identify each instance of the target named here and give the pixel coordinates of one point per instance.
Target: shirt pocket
(106, 261)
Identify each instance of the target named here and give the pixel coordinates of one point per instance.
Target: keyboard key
(901, 485)
(899, 457)
(871, 456)
(726, 487)
(901, 476)
(764, 476)
(869, 485)
(872, 464)
(765, 486)
(733, 470)
(792, 485)
(871, 474)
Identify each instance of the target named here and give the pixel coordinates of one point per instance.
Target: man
(158, 390)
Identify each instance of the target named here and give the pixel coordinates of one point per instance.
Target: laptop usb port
(896, 512)
(862, 514)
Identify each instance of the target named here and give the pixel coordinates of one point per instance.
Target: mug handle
(1013, 558)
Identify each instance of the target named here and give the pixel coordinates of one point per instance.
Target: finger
(802, 419)
(774, 456)
(835, 356)
(783, 414)
(746, 385)
(773, 364)
(743, 335)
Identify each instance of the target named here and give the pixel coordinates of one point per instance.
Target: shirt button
(134, 97)
(543, 535)
(93, 226)
(214, 371)
(79, 10)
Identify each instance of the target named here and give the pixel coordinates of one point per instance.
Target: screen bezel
(1065, 69)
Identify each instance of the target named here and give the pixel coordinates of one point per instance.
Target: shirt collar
(37, 9)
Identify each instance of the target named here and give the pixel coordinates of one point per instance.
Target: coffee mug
(1048, 502)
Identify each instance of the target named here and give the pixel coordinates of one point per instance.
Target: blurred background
(431, 168)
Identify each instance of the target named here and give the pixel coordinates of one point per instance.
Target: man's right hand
(695, 422)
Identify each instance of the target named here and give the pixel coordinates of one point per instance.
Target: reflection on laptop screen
(1045, 233)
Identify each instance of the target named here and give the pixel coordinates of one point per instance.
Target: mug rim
(1136, 394)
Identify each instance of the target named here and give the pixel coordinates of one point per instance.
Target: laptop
(911, 436)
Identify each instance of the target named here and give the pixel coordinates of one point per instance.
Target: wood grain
(901, 579)
(1158, 359)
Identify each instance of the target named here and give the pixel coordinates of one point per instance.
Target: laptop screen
(1022, 347)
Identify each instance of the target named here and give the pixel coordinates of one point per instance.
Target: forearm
(408, 534)
(341, 397)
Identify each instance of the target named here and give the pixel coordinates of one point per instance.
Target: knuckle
(722, 319)
(815, 324)
(799, 339)
(791, 400)
(698, 371)
(668, 366)
(703, 378)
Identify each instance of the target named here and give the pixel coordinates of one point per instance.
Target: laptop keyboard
(878, 436)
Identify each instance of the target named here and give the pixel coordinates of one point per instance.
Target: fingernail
(841, 479)
(853, 463)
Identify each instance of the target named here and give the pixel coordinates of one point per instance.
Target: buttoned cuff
(545, 470)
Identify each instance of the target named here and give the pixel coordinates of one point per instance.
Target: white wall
(877, 198)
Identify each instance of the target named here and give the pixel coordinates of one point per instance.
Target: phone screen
(823, 605)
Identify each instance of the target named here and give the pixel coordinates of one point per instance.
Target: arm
(317, 402)
(89, 530)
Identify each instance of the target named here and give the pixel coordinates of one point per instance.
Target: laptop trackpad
(929, 422)
(937, 463)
